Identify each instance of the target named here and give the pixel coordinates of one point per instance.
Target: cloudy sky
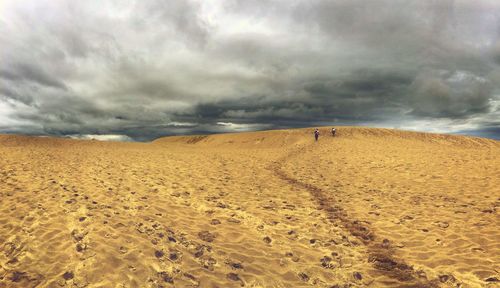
(143, 69)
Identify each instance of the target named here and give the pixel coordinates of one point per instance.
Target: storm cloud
(139, 70)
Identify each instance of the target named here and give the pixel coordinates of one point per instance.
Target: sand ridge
(260, 209)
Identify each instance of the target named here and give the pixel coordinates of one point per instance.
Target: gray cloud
(450, 95)
(21, 72)
(144, 69)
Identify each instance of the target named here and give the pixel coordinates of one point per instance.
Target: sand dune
(368, 208)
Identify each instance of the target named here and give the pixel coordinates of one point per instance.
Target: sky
(139, 70)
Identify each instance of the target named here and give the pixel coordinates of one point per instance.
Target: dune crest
(369, 207)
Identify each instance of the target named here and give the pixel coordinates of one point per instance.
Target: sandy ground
(368, 208)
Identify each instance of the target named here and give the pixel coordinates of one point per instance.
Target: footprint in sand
(68, 275)
(215, 222)
(267, 239)
(166, 277)
(206, 236)
(25, 279)
(159, 254)
(294, 258)
(235, 265)
(81, 247)
(326, 262)
(492, 280)
(358, 276)
(233, 220)
(78, 235)
(174, 256)
(207, 262)
(234, 277)
(303, 276)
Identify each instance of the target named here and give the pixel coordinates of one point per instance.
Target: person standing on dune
(316, 134)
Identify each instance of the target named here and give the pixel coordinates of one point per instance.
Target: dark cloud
(20, 72)
(460, 94)
(144, 69)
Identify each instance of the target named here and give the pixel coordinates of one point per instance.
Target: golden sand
(367, 208)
